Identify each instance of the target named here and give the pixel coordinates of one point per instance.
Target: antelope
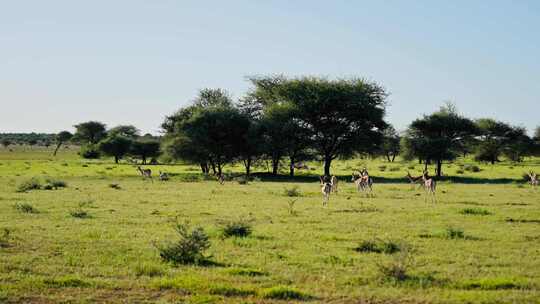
(326, 188)
(334, 183)
(413, 180)
(362, 180)
(533, 179)
(146, 173)
(163, 176)
(429, 185)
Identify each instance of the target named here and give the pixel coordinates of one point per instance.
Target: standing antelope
(429, 186)
(413, 180)
(163, 176)
(362, 180)
(326, 188)
(533, 179)
(146, 173)
(334, 183)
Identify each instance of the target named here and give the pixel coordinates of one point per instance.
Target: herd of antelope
(361, 179)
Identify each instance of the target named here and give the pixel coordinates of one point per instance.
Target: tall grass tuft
(237, 228)
(292, 192)
(378, 246)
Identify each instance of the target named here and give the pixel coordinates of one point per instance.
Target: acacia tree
(117, 146)
(128, 131)
(145, 148)
(341, 116)
(176, 144)
(494, 137)
(438, 136)
(61, 138)
(90, 132)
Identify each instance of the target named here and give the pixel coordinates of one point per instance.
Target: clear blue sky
(133, 62)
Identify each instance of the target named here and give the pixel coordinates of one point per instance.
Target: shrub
(292, 192)
(5, 237)
(398, 268)
(284, 293)
(30, 184)
(290, 207)
(394, 169)
(378, 246)
(51, 183)
(188, 249)
(89, 152)
(460, 171)
(382, 167)
(475, 211)
(115, 186)
(491, 284)
(79, 213)
(25, 208)
(238, 228)
(454, 233)
(242, 180)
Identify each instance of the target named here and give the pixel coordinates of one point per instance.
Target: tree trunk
(393, 157)
(275, 165)
(144, 159)
(219, 169)
(247, 164)
(327, 162)
(116, 159)
(388, 157)
(55, 150)
(213, 167)
(204, 168)
(425, 165)
(439, 168)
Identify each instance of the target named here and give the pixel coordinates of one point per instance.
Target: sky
(134, 62)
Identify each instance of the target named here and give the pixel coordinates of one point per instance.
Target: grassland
(479, 243)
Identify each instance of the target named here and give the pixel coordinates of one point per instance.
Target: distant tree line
(30, 139)
(283, 121)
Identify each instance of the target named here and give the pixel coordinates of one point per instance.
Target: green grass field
(479, 243)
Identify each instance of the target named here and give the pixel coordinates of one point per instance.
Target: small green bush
(188, 249)
(25, 208)
(378, 246)
(472, 168)
(30, 184)
(394, 169)
(90, 152)
(491, 284)
(454, 233)
(5, 238)
(284, 293)
(79, 213)
(460, 171)
(115, 186)
(398, 268)
(238, 228)
(51, 183)
(475, 211)
(292, 192)
(382, 167)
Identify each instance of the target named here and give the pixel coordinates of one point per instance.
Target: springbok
(334, 182)
(533, 179)
(414, 180)
(362, 180)
(429, 185)
(163, 176)
(146, 173)
(326, 188)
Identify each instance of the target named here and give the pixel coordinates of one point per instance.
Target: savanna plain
(95, 234)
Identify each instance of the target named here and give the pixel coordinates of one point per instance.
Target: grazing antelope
(362, 180)
(146, 173)
(326, 188)
(414, 180)
(163, 176)
(533, 179)
(334, 183)
(429, 186)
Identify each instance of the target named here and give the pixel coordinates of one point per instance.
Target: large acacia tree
(90, 132)
(439, 136)
(341, 116)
